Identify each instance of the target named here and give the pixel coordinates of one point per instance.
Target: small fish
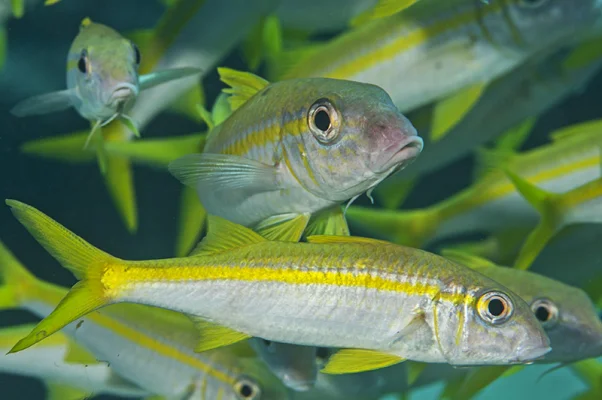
(102, 79)
(151, 347)
(445, 51)
(297, 147)
(422, 307)
(492, 203)
(64, 367)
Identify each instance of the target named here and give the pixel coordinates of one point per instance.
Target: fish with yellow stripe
(445, 51)
(493, 203)
(65, 368)
(102, 80)
(296, 147)
(151, 347)
(381, 303)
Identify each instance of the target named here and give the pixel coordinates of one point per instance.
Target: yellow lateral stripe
(409, 41)
(117, 278)
(583, 194)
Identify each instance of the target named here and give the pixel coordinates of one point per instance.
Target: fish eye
(495, 308)
(532, 3)
(323, 121)
(82, 63)
(545, 311)
(137, 54)
(246, 389)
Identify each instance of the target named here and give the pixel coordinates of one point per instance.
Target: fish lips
(399, 155)
(122, 94)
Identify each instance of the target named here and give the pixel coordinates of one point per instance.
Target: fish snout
(297, 384)
(533, 348)
(122, 94)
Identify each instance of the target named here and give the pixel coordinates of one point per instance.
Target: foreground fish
(493, 203)
(151, 347)
(66, 369)
(102, 79)
(296, 147)
(422, 307)
(443, 50)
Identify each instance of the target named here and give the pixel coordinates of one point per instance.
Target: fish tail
(85, 261)
(15, 280)
(410, 228)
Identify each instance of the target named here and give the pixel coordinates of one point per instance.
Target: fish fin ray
(348, 361)
(223, 235)
(212, 336)
(328, 222)
(243, 85)
(283, 228)
(14, 277)
(44, 104)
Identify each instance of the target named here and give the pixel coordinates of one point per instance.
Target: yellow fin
(546, 204)
(120, 184)
(224, 235)
(86, 22)
(18, 8)
(414, 369)
(243, 85)
(382, 9)
(192, 221)
(57, 391)
(468, 260)
(84, 260)
(212, 336)
(490, 160)
(329, 222)
(15, 278)
(62, 148)
(449, 111)
(283, 228)
(348, 361)
(583, 55)
(156, 152)
(332, 239)
(50, 2)
(515, 137)
(221, 109)
(584, 128)
(392, 193)
(78, 355)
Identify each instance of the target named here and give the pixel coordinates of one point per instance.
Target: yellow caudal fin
(66, 148)
(58, 391)
(192, 222)
(14, 279)
(85, 261)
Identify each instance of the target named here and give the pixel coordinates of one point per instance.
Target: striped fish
(150, 347)
(297, 147)
(380, 302)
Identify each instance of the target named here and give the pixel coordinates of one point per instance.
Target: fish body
(493, 203)
(297, 147)
(439, 50)
(335, 292)
(152, 347)
(50, 362)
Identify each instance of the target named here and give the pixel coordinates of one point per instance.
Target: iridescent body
(285, 160)
(334, 292)
(436, 48)
(151, 347)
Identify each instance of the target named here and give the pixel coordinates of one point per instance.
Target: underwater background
(75, 194)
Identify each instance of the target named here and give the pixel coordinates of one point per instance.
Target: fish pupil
(81, 64)
(322, 120)
(137, 54)
(246, 390)
(496, 307)
(542, 314)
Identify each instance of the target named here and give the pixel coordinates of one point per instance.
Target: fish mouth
(530, 354)
(298, 385)
(122, 94)
(397, 157)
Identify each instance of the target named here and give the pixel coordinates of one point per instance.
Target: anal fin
(347, 361)
(212, 336)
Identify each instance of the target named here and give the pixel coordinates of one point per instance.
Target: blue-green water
(75, 195)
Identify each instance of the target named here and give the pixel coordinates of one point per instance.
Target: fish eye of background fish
(546, 311)
(247, 389)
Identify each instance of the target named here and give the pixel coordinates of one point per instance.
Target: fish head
(295, 365)
(256, 382)
(492, 327)
(102, 70)
(544, 23)
(353, 138)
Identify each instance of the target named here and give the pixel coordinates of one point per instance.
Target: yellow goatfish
(381, 303)
(102, 79)
(65, 368)
(151, 347)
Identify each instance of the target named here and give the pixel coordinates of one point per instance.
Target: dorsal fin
(243, 85)
(584, 128)
(468, 260)
(332, 239)
(224, 235)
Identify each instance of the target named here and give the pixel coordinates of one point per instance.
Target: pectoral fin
(284, 228)
(158, 77)
(347, 361)
(329, 222)
(44, 104)
(448, 112)
(212, 336)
